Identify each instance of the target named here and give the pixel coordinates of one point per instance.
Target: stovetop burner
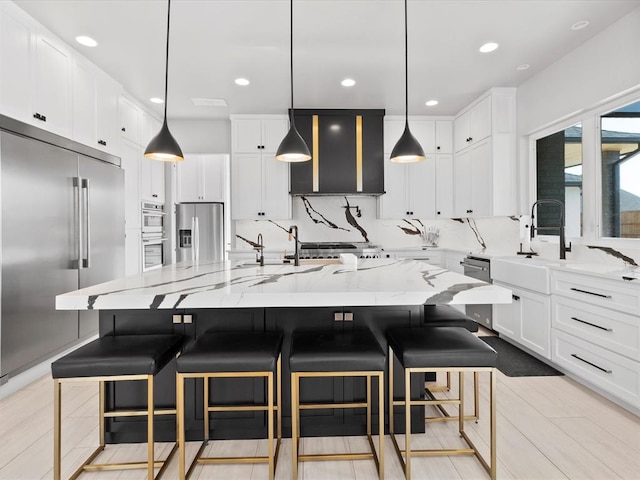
(334, 249)
(327, 246)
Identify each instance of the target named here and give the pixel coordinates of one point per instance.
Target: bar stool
(437, 349)
(447, 316)
(316, 354)
(231, 355)
(114, 359)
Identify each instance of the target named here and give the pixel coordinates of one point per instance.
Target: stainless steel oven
(480, 268)
(152, 252)
(153, 218)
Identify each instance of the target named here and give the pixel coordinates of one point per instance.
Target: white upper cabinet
(130, 155)
(150, 128)
(444, 136)
(263, 135)
(410, 190)
(130, 116)
(473, 125)
(435, 136)
(151, 179)
(202, 178)
(485, 159)
(444, 186)
(95, 107)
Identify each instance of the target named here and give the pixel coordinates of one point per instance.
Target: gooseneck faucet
(293, 231)
(563, 248)
(260, 248)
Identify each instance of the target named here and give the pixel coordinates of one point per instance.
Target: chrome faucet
(563, 248)
(260, 248)
(293, 231)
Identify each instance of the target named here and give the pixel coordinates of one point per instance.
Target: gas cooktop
(334, 249)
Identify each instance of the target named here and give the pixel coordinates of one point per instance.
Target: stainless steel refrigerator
(200, 230)
(62, 229)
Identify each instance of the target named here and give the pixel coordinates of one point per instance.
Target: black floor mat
(513, 362)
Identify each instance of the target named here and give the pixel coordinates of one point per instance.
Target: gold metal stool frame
(150, 464)
(270, 408)
(407, 402)
(428, 390)
(295, 419)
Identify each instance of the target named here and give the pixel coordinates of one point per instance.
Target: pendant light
(407, 150)
(163, 146)
(293, 147)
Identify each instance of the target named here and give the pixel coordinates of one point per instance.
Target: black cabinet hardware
(469, 211)
(123, 129)
(102, 142)
(592, 324)
(437, 213)
(155, 195)
(590, 293)
(438, 147)
(515, 297)
(471, 139)
(38, 116)
(592, 364)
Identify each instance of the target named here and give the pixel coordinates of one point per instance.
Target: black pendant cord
(166, 64)
(406, 69)
(291, 59)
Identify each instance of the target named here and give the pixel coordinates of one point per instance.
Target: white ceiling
(215, 41)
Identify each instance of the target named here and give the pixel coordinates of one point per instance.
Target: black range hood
(346, 149)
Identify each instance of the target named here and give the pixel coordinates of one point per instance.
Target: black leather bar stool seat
(447, 316)
(436, 349)
(115, 358)
(232, 355)
(315, 354)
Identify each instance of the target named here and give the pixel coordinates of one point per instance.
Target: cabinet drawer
(597, 291)
(607, 328)
(611, 372)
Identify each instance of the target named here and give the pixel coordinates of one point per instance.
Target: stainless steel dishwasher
(480, 268)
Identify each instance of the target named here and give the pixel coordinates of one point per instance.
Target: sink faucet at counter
(563, 248)
(293, 232)
(260, 249)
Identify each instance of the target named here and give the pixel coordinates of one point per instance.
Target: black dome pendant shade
(163, 146)
(293, 147)
(408, 149)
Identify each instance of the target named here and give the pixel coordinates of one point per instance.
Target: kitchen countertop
(240, 284)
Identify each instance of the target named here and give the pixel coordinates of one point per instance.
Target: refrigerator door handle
(193, 239)
(86, 261)
(78, 221)
(197, 239)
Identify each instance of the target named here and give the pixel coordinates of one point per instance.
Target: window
(559, 177)
(620, 162)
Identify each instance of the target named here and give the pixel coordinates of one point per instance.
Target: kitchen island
(192, 298)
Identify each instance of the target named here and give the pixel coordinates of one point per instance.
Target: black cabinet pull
(155, 195)
(515, 297)
(590, 293)
(469, 211)
(38, 116)
(471, 139)
(592, 324)
(438, 147)
(592, 364)
(437, 213)
(123, 129)
(102, 142)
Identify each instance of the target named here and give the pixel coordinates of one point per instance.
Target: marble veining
(237, 284)
(615, 253)
(352, 221)
(317, 218)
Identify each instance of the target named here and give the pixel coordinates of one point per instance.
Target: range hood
(346, 149)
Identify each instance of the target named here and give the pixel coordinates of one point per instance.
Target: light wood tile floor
(548, 428)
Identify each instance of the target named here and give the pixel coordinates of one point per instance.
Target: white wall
(202, 136)
(601, 68)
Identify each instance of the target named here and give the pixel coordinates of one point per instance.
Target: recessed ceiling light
(242, 81)
(524, 66)
(348, 82)
(431, 103)
(209, 102)
(580, 25)
(488, 47)
(86, 41)
(156, 100)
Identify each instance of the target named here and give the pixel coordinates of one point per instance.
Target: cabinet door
(53, 85)
(214, 177)
(393, 204)
(425, 133)
(150, 128)
(481, 179)
(461, 132)
(535, 326)
(421, 180)
(107, 99)
(130, 155)
(16, 53)
(276, 201)
(480, 120)
(132, 251)
(157, 180)
(273, 131)
(189, 179)
(246, 187)
(444, 136)
(129, 114)
(247, 135)
(84, 104)
(506, 317)
(444, 186)
(462, 184)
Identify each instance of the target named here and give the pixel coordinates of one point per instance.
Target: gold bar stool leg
(492, 395)
(461, 407)
(407, 421)
(205, 388)
(101, 400)
(368, 406)
(57, 434)
(270, 426)
(391, 403)
(180, 421)
(294, 425)
(381, 424)
(150, 408)
(476, 395)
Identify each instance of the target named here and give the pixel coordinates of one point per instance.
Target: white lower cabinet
(526, 321)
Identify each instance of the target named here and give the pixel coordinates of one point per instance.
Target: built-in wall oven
(153, 237)
(480, 268)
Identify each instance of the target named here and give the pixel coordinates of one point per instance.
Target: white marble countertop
(240, 284)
